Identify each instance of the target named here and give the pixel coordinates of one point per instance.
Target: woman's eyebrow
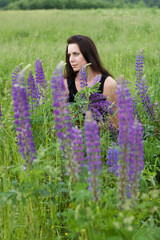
(73, 52)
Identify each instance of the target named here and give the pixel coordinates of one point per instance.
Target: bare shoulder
(110, 87)
(110, 82)
(66, 85)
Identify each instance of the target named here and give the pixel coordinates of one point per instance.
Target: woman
(80, 51)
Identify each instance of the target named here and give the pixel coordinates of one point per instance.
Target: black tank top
(73, 90)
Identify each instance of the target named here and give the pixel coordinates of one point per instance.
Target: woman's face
(76, 58)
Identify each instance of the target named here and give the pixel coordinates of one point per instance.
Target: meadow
(37, 203)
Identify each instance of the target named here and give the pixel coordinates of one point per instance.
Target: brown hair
(89, 52)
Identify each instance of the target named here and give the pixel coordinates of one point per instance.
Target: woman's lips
(73, 66)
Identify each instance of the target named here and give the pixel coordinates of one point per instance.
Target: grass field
(36, 204)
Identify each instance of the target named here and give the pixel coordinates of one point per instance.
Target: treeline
(76, 4)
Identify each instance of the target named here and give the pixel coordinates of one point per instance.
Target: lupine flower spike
(63, 121)
(40, 78)
(61, 112)
(78, 149)
(15, 73)
(142, 87)
(22, 119)
(125, 126)
(93, 154)
(83, 76)
(33, 91)
(139, 68)
(113, 158)
(128, 143)
(96, 79)
(137, 163)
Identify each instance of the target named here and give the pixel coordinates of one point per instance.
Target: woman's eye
(76, 54)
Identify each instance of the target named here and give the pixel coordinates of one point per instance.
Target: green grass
(36, 204)
(118, 34)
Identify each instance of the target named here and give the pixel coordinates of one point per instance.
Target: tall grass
(36, 204)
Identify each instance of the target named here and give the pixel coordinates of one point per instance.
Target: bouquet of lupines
(89, 99)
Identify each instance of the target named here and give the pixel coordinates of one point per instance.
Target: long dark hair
(89, 52)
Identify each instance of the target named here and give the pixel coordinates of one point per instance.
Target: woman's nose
(71, 58)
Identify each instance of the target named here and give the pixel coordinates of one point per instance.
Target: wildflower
(22, 119)
(32, 90)
(83, 76)
(15, 74)
(77, 147)
(125, 137)
(63, 120)
(113, 157)
(139, 68)
(96, 79)
(93, 154)
(96, 102)
(100, 107)
(142, 87)
(136, 161)
(40, 78)
(66, 234)
(130, 143)
(135, 109)
(125, 122)
(61, 112)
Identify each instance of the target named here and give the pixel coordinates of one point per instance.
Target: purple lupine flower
(100, 102)
(96, 102)
(32, 90)
(142, 87)
(96, 113)
(15, 73)
(22, 119)
(125, 137)
(99, 106)
(83, 76)
(63, 121)
(93, 154)
(96, 80)
(136, 164)
(78, 149)
(61, 112)
(113, 158)
(145, 98)
(139, 68)
(40, 78)
(135, 109)
(127, 141)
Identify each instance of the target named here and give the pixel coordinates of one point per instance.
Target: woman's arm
(109, 90)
